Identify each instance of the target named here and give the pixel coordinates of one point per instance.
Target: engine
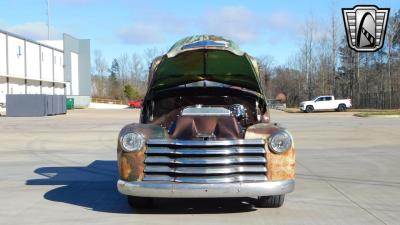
(209, 122)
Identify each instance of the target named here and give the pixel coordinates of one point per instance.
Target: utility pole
(48, 19)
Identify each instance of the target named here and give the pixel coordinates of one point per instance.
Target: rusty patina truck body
(205, 131)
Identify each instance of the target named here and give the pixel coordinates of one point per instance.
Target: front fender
(279, 166)
(131, 164)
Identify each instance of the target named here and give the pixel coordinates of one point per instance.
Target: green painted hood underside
(223, 63)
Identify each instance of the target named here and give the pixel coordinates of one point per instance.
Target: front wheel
(140, 202)
(274, 201)
(309, 109)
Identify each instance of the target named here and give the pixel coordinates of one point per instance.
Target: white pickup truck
(326, 102)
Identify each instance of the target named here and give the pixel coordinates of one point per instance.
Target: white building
(56, 67)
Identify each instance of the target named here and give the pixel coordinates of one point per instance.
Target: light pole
(48, 19)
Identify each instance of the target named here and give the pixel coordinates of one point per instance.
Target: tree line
(125, 78)
(325, 65)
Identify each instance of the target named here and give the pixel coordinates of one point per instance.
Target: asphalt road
(62, 170)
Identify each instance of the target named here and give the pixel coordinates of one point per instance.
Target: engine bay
(212, 114)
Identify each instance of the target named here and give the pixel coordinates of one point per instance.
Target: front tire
(140, 202)
(274, 201)
(309, 109)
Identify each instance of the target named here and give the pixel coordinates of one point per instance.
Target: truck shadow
(94, 187)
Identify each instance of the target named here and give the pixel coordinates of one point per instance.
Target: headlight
(132, 141)
(280, 142)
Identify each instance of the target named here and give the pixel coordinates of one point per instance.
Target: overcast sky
(259, 27)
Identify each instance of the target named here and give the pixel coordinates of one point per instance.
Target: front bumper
(215, 190)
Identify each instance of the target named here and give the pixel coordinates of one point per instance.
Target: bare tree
(149, 55)
(265, 64)
(392, 36)
(323, 61)
(137, 77)
(308, 32)
(136, 68)
(100, 68)
(123, 61)
(334, 46)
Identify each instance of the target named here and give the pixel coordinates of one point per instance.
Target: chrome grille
(197, 161)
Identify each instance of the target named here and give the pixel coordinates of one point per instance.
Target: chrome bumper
(215, 190)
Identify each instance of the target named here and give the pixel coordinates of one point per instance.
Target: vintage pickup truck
(205, 131)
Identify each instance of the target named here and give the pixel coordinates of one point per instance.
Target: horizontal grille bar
(204, 160)
(198, 161)
(206, 170)
(207, 179)
(174, 142)
(204, 151)
(151, 177)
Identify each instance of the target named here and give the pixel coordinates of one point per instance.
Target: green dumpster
(70, 103)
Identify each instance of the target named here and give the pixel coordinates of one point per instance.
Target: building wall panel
(68, 87)
(3, 61)
(16, 57)
(33, 87)
(3, 89)
(47, 64)
(16, 86)
(47, 88)
(74, 73)
(32, 60)
(58, 90)
(58, 66)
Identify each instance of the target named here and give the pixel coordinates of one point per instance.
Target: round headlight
(132, 141)
(280, 142)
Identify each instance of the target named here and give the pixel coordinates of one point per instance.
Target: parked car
(276, 104)
(204, 131)
(137, 104)
(327, 102)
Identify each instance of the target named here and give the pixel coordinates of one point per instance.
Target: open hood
(204, 57)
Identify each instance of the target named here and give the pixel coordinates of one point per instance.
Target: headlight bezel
(139, 137)
(272, 146)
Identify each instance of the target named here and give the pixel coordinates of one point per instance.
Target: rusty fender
(131, 164)
(279, 166)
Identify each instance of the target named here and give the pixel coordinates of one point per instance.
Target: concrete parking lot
(62, 170)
